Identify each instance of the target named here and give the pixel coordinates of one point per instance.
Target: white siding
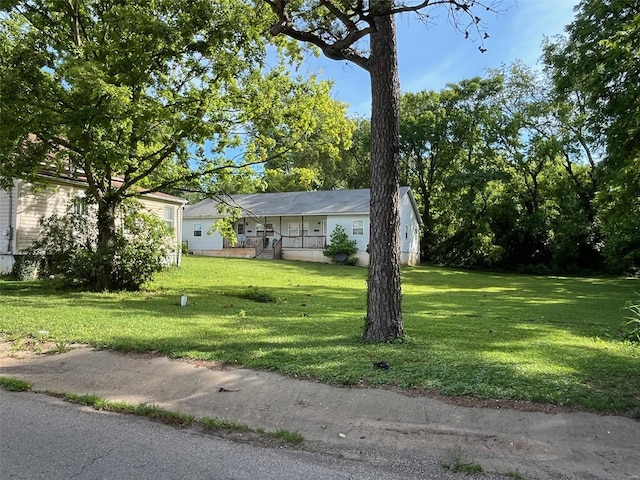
(30, 205)
(314, 227)
(209, 240)
(33, 205)
(346, 222)
(7, 229)
(4, 208)
(409, 232)
(161, 208)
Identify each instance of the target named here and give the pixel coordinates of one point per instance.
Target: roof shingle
(328, 202)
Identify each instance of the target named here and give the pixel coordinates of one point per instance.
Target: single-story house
(22, 206)
(294, 225)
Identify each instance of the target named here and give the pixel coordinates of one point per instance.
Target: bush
(68, 242)
(340, 248)
(141, 250)
(25, 268)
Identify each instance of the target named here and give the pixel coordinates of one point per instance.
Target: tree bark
(384, 313)
(106, 247)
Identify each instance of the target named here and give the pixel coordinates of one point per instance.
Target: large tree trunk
(384, 313)
(106, 247)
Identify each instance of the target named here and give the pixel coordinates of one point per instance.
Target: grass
(14, 385)
(514, 337)
(178, 419)
(460, 464)
(294, 438)
(515, 474)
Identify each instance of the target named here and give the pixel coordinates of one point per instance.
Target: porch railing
(259, 247)
(311, 242)
(247, 242)
(277, 249)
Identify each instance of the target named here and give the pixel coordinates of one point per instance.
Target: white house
(22, 206)
(294, 225)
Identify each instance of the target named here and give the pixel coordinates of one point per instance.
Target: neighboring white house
(295, 225)
(21, 207)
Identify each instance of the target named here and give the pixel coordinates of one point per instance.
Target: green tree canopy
(504, 172)
(150, 92)
(599, 60)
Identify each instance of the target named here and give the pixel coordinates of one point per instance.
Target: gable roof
(327, 202)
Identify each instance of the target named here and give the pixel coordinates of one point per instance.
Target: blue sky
(430, 56)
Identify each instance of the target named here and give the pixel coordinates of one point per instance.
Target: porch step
(266, 254)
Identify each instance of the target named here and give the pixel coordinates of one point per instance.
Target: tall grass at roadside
(515, 337)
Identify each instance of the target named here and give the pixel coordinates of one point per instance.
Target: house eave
(271, 215)
(164, 197)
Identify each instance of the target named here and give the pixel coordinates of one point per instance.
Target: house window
(169, 217)
(294, 229)
(358, 227)
(297, 229)
(240, 229)
(79, 206)
(197, 229)
(269, 228)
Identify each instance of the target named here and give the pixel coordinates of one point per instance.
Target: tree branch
(200, 173)
(339, 50)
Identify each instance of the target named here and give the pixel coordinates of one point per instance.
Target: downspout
(281, 239)
(10, 252)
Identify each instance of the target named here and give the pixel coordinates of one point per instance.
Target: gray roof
(328, 202)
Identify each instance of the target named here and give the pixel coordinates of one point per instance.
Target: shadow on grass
(578, 376)
(592, 307)
(487, 335)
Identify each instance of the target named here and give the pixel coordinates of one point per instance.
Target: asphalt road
(43, 437)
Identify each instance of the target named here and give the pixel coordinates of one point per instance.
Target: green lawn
(515, 337)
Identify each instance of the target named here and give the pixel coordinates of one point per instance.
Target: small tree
(340, 248)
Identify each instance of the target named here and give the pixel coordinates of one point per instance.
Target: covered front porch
(271, 235)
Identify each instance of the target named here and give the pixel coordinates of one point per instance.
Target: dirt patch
(462, 400)
(496, 403)
(34, 345)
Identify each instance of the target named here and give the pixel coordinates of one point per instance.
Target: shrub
(340, 248)
(142, 249)
(25, 268)
(68, 243)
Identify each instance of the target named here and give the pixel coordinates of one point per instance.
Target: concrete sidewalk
(353, 421)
